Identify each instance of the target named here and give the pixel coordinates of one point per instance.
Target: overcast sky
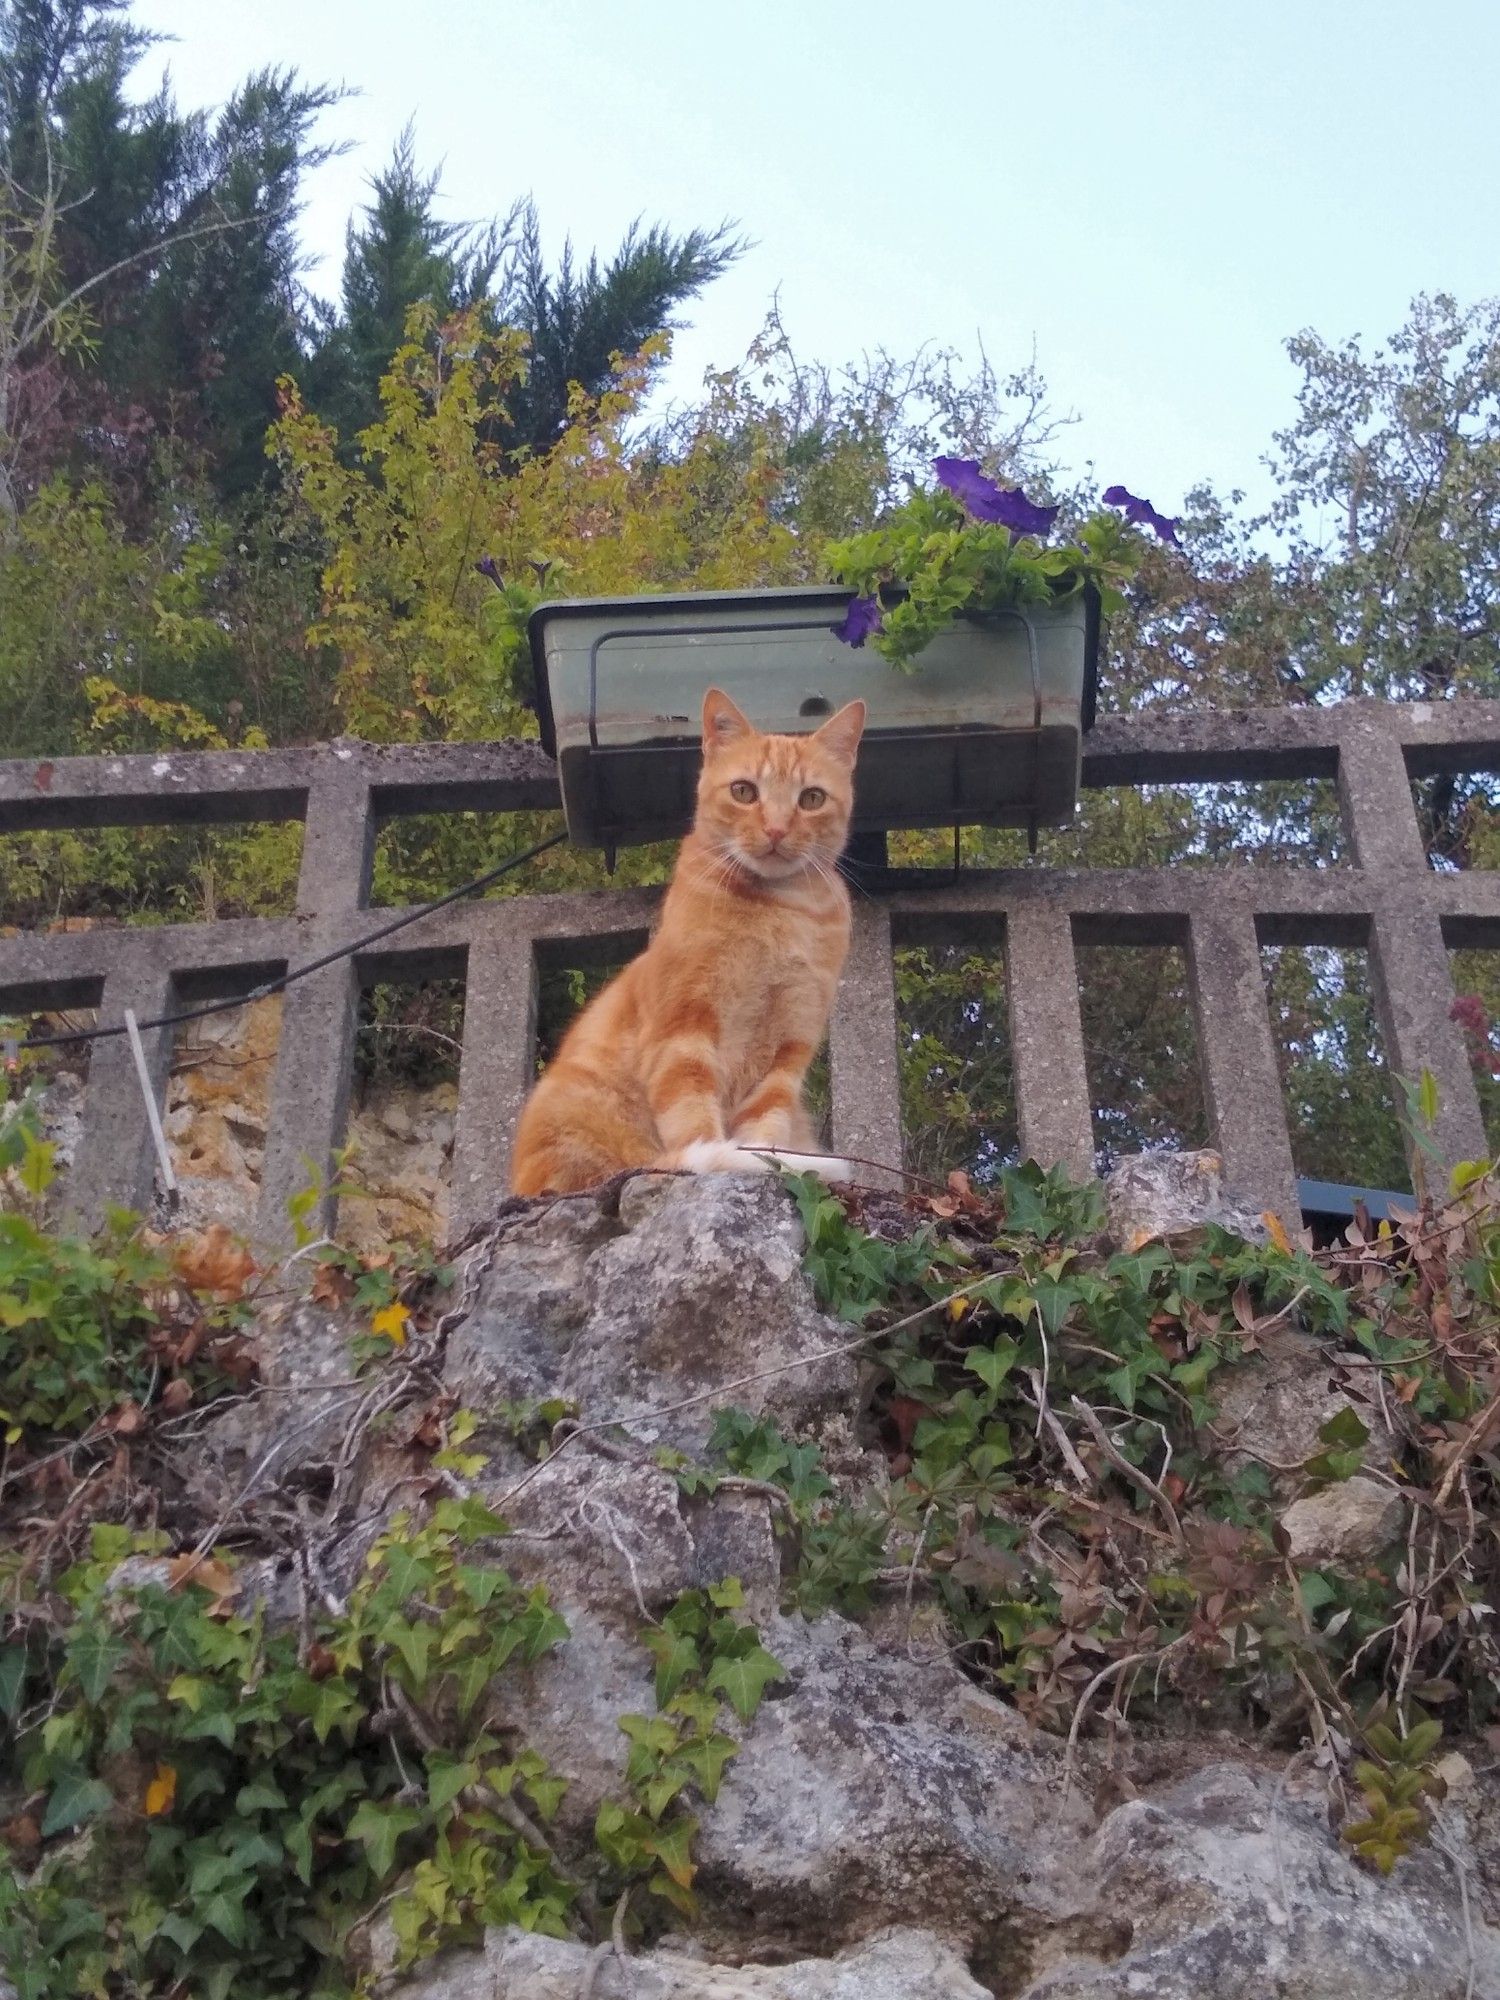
(1152, 192)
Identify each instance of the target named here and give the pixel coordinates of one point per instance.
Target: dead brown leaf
(332, 1286)
(177, 1395)
(215, 1262)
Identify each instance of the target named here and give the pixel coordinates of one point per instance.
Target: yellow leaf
(392, 1322)
(161, 1791)
(957, 1308)
(1276, 1231)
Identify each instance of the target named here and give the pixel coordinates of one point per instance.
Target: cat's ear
(840, 734)
(722, 721)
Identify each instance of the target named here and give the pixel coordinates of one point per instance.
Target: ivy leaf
(992, 1364)
(75, 1797)
(182, 1931)
(545, 1629)
(225, 1911)
(1346, 1427)
(414, 1644)
(1315, 1591)
(482, 1583)
(262, 1794)
(213, 1870)
(706, 1759)
(745, 1680)
(672, 1846)
(676, 1658)
(661, 1884)
(470, 1520)
(1054, 1302)
(659, 1792)
(162, 1791)
(546, 1793)
(447, 1776)
(470, 1679)
(378, 1829)
(409, 1573)
(327, 1705)
(93, 1656)
(391, 1323)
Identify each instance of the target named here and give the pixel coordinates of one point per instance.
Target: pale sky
(1154, 193)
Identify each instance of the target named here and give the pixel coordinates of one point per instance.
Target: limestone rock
(1232, 1892)
(1275, 1403)
(887, 1829)
(218, 1102)
(693, 1285)
(529, 1303)
(898, 1964)
(1167, 1194)
(873, 1786)
(402, 1158)
(620, 1539)
(1344, 1523)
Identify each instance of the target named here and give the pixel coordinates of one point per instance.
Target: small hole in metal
(816, 704)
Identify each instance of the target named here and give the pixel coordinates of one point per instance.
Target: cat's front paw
(719, 1156)
(822, 1164)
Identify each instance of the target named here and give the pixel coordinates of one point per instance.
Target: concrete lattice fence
(1386, 900)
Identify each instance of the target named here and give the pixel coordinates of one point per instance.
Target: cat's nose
(775, 834)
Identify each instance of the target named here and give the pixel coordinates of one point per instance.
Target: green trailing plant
(707, 1659)
(214, 1802)
(95, 1334)
(974, 549)
(1396, 1791)
(1063, 1487)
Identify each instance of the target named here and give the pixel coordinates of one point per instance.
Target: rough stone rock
(899, 1964)
(619, 1538)
(615, 1544)
(691, 1286)
(876, 1787)
(218, 1101)
(1344, 1523)
(1275, 1403)
(402, 1160)
(529, 1303)
(873, 1786)
(1154, 1195)
(1233, 1892)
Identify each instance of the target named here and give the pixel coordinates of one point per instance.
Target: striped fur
(695, 1055)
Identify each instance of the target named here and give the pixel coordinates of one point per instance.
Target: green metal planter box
(986, 732)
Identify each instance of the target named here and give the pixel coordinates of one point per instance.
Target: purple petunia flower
(1141, 514)
(487, 566)
(1008, 507)
(861, 620)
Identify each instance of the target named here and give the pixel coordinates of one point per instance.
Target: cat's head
(776, 804)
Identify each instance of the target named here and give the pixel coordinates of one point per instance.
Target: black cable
(314, 965)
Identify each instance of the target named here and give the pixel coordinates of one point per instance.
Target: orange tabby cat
(694, 1055)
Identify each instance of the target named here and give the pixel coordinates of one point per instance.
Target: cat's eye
(744, 791)
(812, 798)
